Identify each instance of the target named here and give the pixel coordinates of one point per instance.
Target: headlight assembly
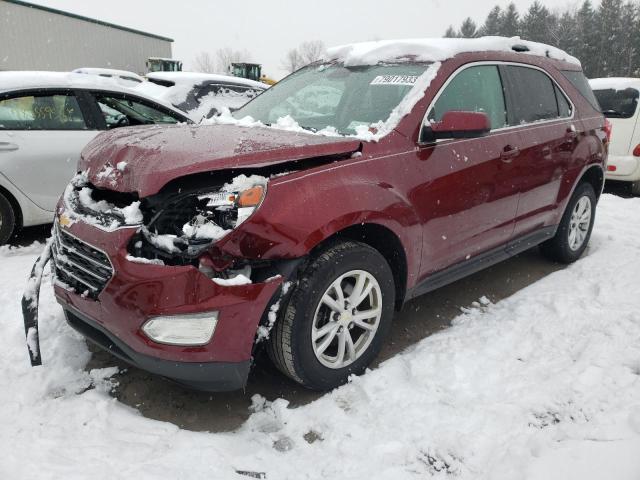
(188, 223)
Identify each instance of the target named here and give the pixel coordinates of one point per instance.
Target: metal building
(33, 37)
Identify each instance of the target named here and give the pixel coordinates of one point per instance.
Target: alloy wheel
(579, 223)
(346, 319)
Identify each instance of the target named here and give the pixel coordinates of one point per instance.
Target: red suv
(329, 201)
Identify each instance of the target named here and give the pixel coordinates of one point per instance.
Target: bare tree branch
(204, 63)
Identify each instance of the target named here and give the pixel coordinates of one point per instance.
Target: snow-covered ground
(542, 385)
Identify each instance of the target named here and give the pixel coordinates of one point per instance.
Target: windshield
(617, 103)
(332, 95)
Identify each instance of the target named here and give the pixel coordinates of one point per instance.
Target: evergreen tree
(566, 34)
(609, 38)
(628, 55)
(606, 40)
(510, 21)
(538, 24)
(451, 32)
(469, 29)
(586, 39)
(492, 23)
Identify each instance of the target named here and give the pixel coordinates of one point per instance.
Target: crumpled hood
(144, 159)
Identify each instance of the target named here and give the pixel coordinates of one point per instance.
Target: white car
(618, 98)
(123, 77)
(201, 95)
(46, 119)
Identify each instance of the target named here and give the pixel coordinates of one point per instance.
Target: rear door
(542, 116)
(41, 136)
(469, 202)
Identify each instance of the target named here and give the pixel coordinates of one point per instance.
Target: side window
(41, 112)
(564, 107)
(474, 89)
(533, 95)
(124, 112)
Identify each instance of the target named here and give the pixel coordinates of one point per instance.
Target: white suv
(618, 98)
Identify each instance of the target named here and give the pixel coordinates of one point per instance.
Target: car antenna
(520, 48)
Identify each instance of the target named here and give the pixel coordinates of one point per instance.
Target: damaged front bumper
(108, 298)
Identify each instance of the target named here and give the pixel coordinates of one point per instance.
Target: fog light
(187, 330)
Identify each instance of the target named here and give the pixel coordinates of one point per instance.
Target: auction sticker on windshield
(394, 80)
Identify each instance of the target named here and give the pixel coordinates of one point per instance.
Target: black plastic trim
(480, 262)
(211, 376)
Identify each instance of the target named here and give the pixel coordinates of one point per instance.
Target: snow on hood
(436, 49)
(150, 157)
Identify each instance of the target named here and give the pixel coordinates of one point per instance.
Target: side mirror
(456, 124)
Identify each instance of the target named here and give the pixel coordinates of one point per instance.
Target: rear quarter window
(580, 82)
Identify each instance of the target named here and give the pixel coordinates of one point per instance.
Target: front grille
(79, 265)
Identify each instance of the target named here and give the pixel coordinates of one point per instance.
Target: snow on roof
(108, 71)
(615, 83)
(437, 49)
(33, 79)
(191, 78)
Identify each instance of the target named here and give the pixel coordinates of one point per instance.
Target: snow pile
(77, 192)
(183, 83)
(204, 229)
(436, 50)
(542, 385)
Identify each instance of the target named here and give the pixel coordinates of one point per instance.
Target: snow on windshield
(331, 99)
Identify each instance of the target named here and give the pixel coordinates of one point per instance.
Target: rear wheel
(635, 188)
(337, 317)
(7, 220)
(575, 228)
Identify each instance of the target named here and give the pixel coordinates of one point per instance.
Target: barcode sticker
(395, 80)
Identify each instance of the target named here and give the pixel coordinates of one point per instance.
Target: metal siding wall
(32, 39)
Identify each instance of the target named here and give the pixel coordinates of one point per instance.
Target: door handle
(8, 147)
(509, 153)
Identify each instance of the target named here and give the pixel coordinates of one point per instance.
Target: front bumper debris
(30, 300)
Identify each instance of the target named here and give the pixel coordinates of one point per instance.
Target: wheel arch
(14, 204)
(385, 241)
(593, 175)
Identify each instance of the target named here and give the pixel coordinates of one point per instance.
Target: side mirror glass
(457, 124)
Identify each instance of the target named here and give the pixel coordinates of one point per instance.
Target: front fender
(302, 210)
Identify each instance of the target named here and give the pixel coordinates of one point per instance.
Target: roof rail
(519, 48)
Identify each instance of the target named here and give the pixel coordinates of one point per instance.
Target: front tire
(7, 220)
(337, 317)
(573, 234)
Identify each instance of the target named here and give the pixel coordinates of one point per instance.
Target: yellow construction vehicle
(251, 71)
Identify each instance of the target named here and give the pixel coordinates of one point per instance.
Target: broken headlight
(189, 223)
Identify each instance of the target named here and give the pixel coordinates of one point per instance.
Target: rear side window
(533, 95)
(581, 83)
(618, 103)
(474, 89)
(41, 112)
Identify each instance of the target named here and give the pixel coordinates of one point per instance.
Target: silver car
(46, 119)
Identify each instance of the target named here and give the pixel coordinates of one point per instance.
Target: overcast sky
(269, 28)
